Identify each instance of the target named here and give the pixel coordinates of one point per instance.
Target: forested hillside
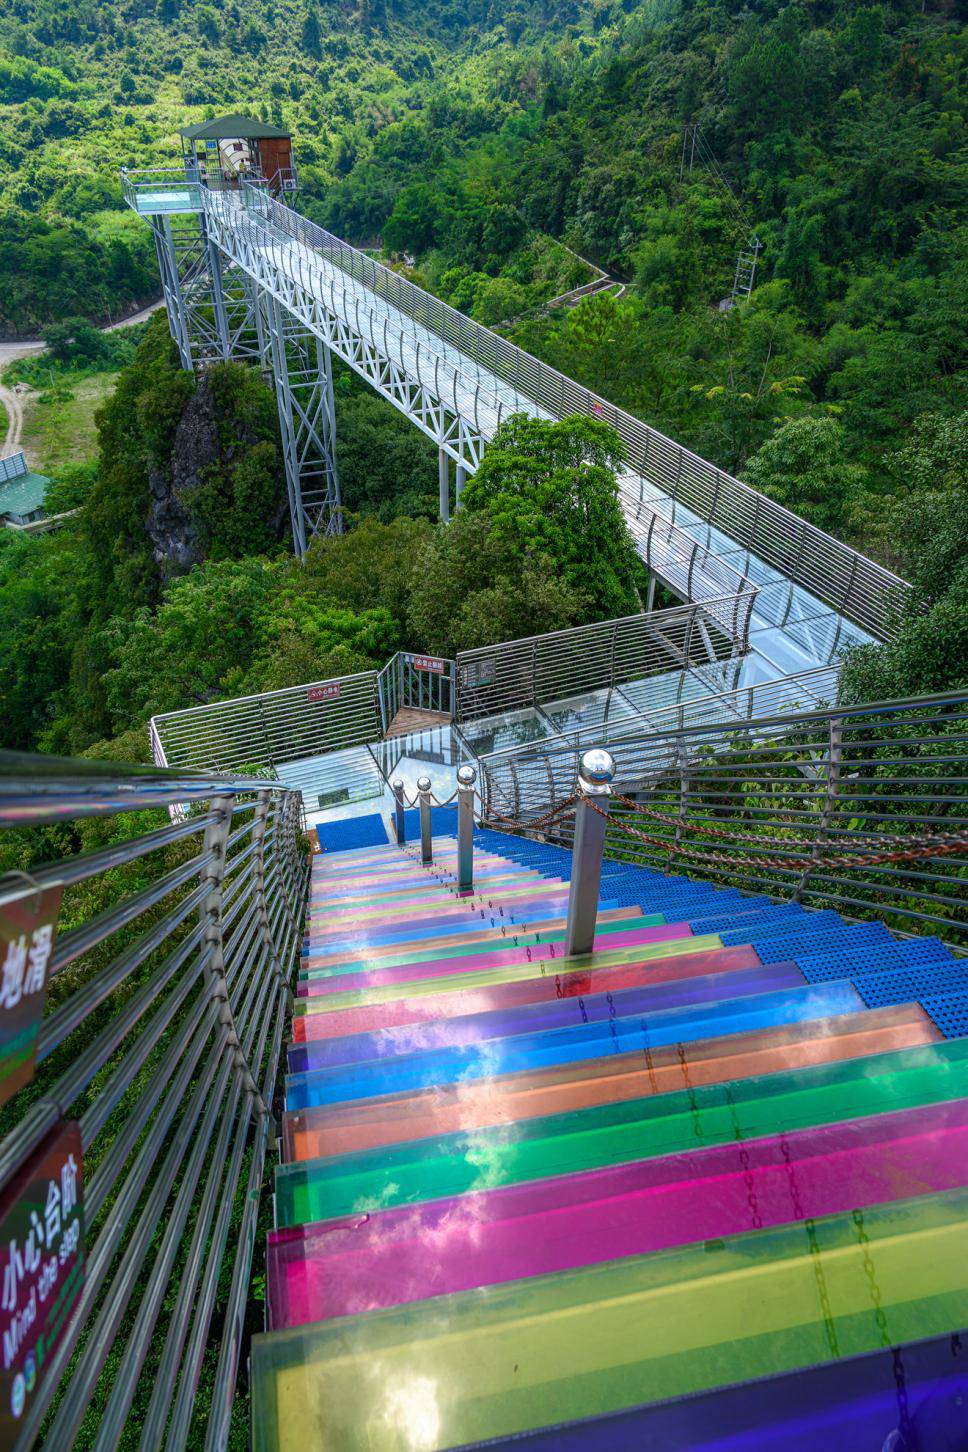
(465, 138)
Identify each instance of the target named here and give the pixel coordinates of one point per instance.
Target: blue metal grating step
(907, 953)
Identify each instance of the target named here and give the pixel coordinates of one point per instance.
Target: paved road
(23, 348)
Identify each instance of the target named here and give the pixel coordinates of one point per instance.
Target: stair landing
(410, 719)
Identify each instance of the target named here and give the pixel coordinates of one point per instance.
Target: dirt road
(11, 401)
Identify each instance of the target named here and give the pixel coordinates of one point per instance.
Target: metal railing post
(426, 837)
(398, 821)
(595, 773)
(466, 778)
(210, 914)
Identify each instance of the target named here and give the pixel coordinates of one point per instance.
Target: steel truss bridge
(247, 277)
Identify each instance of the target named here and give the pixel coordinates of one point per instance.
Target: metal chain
(810, 1226)
(749, 1180)
(533, 824)
(871, 839)
(926, 845)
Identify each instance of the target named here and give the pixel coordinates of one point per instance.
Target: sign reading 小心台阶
(427, 663)
(41, 1269)
(328, 692)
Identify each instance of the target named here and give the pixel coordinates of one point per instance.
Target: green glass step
(637, 1129)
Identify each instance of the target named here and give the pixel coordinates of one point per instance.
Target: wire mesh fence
(543, 668)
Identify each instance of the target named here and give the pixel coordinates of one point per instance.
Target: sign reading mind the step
(328, 692)
(28, 924)
(41, 1269)
(427, 663)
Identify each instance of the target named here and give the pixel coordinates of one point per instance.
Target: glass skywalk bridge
(703, 534)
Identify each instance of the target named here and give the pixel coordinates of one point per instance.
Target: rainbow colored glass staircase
(706, 1188)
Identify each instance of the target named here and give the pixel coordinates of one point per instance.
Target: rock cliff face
(207, 446)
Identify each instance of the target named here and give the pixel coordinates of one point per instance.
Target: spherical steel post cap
(466, 776)
(423, 784)
(398, 786)
(596, 770)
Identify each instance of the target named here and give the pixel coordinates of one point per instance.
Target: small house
(22, 492)
(235, 147)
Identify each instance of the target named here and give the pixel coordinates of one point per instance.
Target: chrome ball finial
(398, 787)
(423, 784)
(466, 776)
(596, 770)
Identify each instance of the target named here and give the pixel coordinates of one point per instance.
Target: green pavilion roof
(231, 128)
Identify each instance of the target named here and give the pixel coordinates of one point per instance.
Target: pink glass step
(343, 1268)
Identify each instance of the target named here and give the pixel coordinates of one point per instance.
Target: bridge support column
(219, 308)
(443, 479)
(302, 369)
(256, 306)
(175, 305)
(459, 482)
(205, 295)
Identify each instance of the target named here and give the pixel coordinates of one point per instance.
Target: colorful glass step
(888, 1400)
(542, 988)
(489, 1363)
(363, 1124)
(562, 1045)
(462, 982)
(539, 1017)
(345, 979)
(455, 1244)
(468, 945)
(587, 1139)
(443, 901)
(467, 913)
(411, 890)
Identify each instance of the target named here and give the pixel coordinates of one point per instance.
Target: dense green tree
(928, 524)
(805, 467)
(465, 592)
(386, 467)
(549, 492)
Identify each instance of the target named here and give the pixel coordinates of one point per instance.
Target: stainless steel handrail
(163, 1042)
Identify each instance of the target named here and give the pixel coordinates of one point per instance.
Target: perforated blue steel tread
(902, 985)
(875, 958)
(350, 832)
(949, 1011)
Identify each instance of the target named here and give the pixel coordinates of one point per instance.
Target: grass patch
(59, 428)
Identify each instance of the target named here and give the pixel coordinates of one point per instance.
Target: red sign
(329, 692)
(428, 663)
(27, 928)
(597, 408)
(41, 1269)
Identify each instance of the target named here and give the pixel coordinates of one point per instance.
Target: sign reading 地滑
(27, 927)
(41, 1269)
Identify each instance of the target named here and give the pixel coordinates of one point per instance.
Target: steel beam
(443, 482)
(303, 376)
